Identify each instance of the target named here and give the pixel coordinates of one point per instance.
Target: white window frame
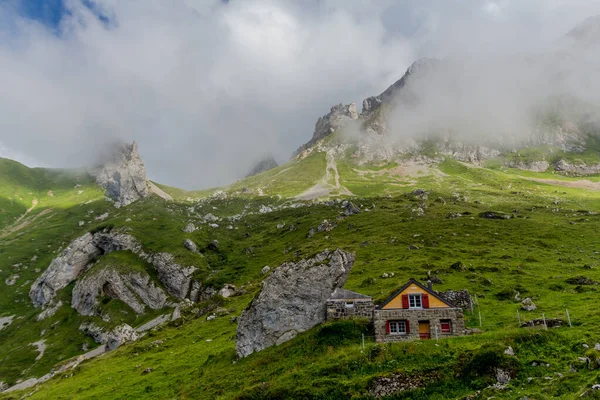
(349, 304)
(397, 327)
(414, 299)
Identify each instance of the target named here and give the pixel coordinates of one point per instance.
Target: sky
(207, 87)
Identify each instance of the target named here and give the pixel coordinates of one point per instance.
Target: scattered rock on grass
(528, 305)
(190, 245)
(190, 228)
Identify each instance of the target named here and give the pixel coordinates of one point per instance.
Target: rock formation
(419, 68)
(123, 176)
(337, 117)
(111, 339)
(134, 288)
(74, 260)
(263, 165)
(292, 300)
(176, 278)
(137, 290)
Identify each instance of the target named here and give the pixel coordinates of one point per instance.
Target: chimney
(429, 284)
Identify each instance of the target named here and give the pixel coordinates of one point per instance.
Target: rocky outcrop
(74, 261)
(419, 68)
(292, 300)
(337, 118)
(582, 169)
(474, 154)
(137, 290)
(174, 277)
(110, 338)
(535, 166)
(123, 176)
(64, 269)
(263, 165)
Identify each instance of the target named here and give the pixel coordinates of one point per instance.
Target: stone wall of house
(338, 309)
(433, 315)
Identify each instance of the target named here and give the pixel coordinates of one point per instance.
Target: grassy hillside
(549, 239)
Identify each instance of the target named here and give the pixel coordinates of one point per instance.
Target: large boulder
(123, 176)
(292, 300)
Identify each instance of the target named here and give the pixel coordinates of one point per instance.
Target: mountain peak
(123, 175)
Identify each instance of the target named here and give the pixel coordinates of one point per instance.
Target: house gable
(414, 287)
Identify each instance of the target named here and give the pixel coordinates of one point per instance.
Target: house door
(424, 329)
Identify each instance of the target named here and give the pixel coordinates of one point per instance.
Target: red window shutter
(407, 326)
(404, 301)
(387, 327)
(425, 299)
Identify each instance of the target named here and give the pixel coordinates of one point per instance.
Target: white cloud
(205, 87)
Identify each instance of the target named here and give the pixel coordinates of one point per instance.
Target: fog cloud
(206, 86)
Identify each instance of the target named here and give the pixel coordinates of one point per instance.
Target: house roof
(419, 284)
(341, 294)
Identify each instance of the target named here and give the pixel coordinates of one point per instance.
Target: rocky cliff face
(386, 134)
(133, 288)
(74, 261)
(123, 176)
(293, 300)
(396, 92)
(64, 269)
(337, 118)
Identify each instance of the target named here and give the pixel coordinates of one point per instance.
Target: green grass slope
(550, 239)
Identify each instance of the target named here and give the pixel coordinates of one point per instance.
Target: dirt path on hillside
(580, 184)
(20, 223)
(324, 188)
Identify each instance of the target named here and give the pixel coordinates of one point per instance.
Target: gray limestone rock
(64, 269)
(74, 260)
(339, 116)
(528, 304)
(190, 228)
(174, 277)
(535, 166)
(228, 290)
(293, 300)
(111, 339)
(123, 176)
(190, 245)
(351, 209)
(565, 168)
(136, 290)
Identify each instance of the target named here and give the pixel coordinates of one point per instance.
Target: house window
(349, 304)
(446, 326)
(397, 327)
(414, 301)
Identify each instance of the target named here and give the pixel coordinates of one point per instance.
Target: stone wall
(433, 315)
(337, 309)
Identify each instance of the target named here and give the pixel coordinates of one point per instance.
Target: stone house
(416, 311)
(344, 304)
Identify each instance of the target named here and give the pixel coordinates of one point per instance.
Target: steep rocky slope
(123, 175)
